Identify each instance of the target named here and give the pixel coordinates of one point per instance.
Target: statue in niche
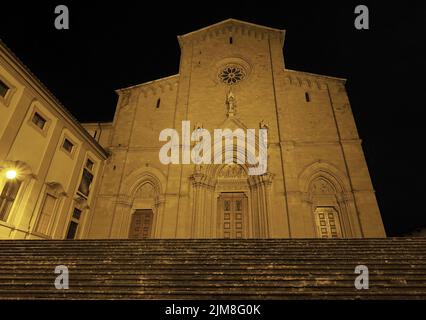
(231, 102)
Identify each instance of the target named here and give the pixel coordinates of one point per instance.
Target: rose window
(232, 74)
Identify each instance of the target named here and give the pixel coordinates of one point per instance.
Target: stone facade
(317, 182)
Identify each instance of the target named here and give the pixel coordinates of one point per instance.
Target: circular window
(232, 74)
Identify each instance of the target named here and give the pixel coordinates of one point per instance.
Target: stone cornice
(298, 143)
(309, 75)
(155, 87)
(309, 80)
(234, 27)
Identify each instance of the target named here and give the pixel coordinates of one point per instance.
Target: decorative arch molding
(141, 176)
(212, 172)
(327, 171)
(146, 179)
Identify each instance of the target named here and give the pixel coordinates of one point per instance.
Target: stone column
(260, 188)
(202, 185)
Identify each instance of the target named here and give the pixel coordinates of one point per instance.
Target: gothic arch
(141, 176)
(212, 170)
(148, 183)
(325, 186)
(326, 171)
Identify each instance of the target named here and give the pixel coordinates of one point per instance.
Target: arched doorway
(142, 219)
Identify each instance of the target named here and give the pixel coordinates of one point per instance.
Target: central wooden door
(233, 207)
(141, 224)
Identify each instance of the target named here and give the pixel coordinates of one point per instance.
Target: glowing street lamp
(11, 174)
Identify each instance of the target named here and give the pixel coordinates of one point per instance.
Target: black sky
(111, 45)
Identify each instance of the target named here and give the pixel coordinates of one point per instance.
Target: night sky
(112, 45)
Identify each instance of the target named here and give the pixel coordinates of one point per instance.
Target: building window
(38, 120)
(46, 214)
(72, 228)
(86, 179)
(158, 103)
(307, 97)
(89, 164)
(3, 89)
(7, 197)
(231, 40)
(67, 145)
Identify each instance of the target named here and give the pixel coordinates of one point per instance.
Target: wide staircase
(214, 269)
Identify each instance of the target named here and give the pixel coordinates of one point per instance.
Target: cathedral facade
(232, 76)
(60, 179)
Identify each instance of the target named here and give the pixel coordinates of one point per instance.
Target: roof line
(316, 75)
(231, 20)
(102, 123)
(56, 103)
(147, 83)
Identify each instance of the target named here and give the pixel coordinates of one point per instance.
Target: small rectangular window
(89, 164)
(231, 40)
(38, 120)
(85, 183)
(76, 214)
(307, 97)
(3, 89)
(72, 228)
(67, 145)
(158, 103)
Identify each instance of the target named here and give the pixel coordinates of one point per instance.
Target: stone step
(214, 268)
(144, 279)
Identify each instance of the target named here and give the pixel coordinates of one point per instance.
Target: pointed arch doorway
(143, 216)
